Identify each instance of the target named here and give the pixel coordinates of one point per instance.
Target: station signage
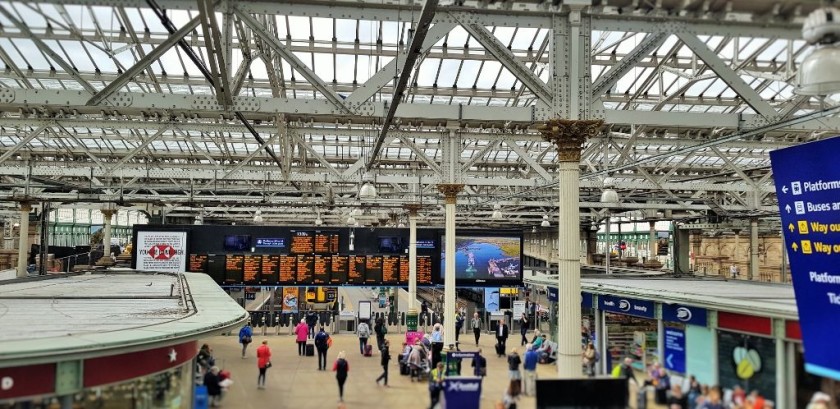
(627, 306)
(808, 190)
(684, 314)
(585, 298)
(271, 242)
(675, 349)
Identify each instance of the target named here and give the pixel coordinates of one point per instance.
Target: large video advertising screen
(485, 260)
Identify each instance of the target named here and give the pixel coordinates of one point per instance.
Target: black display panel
(391, 244)
(197, 263)
(391, 270)
(373, 270)
(585, 393)
(326, 243)
(424, 270)
(356, 269)
(237, 243)
(269, 269)
(484, 259)
(305, 268)
(251, 269)
(321, 269)
(287, 270)
(339, 269)
(233, 268)
(216, 267)
(303, 242)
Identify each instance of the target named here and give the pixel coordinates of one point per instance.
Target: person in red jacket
(341, 368)
(263, 363)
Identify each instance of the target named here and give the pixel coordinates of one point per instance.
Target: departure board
(404, 270)
(233, 268)
(288, 270)
(303, 242)
(216, 267)
(326, 243)
(373, 270)
(424, 270)
(198, 263)
(251, 265)
(268, 271)
(339, 269)
(390, 270)
(305, 268)
(321, 270)
(356, 270)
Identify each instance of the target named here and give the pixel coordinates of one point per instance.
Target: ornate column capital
(412, 208)
(569, 135)
(450, 191)
(25, 206)
(108, 213)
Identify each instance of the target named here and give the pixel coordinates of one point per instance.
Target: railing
(69, 262)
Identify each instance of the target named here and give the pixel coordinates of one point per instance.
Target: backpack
(364, 332)
(329, 341)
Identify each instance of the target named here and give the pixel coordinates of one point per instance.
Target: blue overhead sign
(626, 306)
(585, 298)
(808, 190)
(674, 349)
(271, 242)
(685, 314)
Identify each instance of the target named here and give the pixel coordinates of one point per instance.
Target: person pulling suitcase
(502, 332)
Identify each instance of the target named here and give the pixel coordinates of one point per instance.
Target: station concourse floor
(293, 382)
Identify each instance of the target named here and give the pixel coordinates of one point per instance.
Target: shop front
(630, 330)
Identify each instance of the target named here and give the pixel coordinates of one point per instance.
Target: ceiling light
(258, 217)
(818, 72)
(545, 222)
(318, 221)
(534, 229)
(401, 225)
(198, 220)
(609, 195)
(356, 212)
(497, 211)
(351, 220)
(367, 191)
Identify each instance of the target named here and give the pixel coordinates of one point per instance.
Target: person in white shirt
(733, 271)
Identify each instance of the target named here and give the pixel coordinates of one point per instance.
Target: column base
(105, 262)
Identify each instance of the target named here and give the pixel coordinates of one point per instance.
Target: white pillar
(569, 136)
(412, 259)
(753, 273)
(607, 245)
(781, 370)
(23, 241)
(106, 240)
(652, 241)
(450, 192)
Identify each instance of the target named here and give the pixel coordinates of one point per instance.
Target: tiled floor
(295, 383)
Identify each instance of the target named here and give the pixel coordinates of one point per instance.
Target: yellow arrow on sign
(790, 226)
(795, 247)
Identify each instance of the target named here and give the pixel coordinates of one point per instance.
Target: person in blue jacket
(530, 367)
(245, 335)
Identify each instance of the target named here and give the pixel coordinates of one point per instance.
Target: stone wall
(713, 256)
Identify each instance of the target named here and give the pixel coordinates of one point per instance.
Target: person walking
(380, 329)
(475, 324)
(364, 334)
(437, 343)
(322, 344)
(479, 364)
(590, 357)
(302, 330)
(436, 384)
(263, 363)
(311, 322)
(245, 334)
(341, 368)
(211, 382)
(205, 358)
(733, 271)
(502, 332)
(523, 328)
(386, 356)
(530, 367)
(513, 365)
(459, 323)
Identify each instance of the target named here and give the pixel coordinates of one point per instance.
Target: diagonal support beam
(22, 143)
(69, 69)
(477, 156)
(505, 56)
(420, 31)
(729, 76)
(144, 62)
(137, 149)
(290, 57)
(651, 42)
(215, 52)
(321, 159)
(528, 159)
(389, 71)
(420, 154)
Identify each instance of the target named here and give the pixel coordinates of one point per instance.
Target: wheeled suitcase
(368, 350)
(500, 350)
(310, 349)
(641, 398)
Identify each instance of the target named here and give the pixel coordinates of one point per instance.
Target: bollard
(263, 324)
(291, 325)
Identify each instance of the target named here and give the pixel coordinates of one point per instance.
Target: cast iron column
(450, 192)
(569, 136)
(23, 241)
(107, 214)
(411, 317)
(753, 272)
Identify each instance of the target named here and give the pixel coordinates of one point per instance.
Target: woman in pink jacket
(302, 330)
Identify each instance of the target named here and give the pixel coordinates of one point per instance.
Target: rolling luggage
(368, 350)
(310, 349)
(500, 350)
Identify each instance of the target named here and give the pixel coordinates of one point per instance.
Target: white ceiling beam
(619, 70)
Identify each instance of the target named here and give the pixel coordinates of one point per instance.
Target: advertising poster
(518, 309)
(491, 299)
(162, 251)
(748, 361)
(290, 299)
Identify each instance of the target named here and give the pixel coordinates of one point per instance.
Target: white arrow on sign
(787, 208)
(668, 360)
(784, 189)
